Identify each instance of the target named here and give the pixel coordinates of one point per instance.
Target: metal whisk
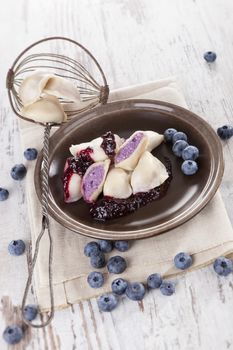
(48, 55)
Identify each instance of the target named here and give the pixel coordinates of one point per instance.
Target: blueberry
(116, 264)
(179, 136)
(210, 56)
(190, 153)
(154, 281)
(107, 302)
(189, 167)
(30, 153)
(91, 248)
(4, 194)
(122, 246)
(183, 261)
(98, 260)
(16, 247)
(168, 134)
(105, 246)
(178, 147)
(119, 286)
(167, 288)
(223, 266)
(225, 132)
(13, 334)
(18, 172)
(135, 291)
(95, 279)
(30, 312)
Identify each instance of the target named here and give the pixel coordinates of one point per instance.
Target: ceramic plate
(186, 196)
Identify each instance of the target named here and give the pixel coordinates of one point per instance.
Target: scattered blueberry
(30, 153)
(154, 281)
(16, 247)
(135, 291)
(190, 153)
(168, 134)
(95, 279)
(167, 288)
(91, 248)
(107, 302)
(116, 264)
(210, 56)
(178, 147)
(98, 260)
(183, 261)
(13, 334)
(119, 286)
(225, 132)
(4, 194)
(223, 266)
(179, 136)
(18, 172)
(105, 246)
(30, 312)
(122, 246)
(189, 167)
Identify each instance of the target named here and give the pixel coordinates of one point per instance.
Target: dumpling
(31, 88)
(93, 180)
(71, 185)
(46, 110)
(98, 154)
(38, 83)
(153, 139)
(131, 150)
(61, 87)
(117, 184)
(148, 174)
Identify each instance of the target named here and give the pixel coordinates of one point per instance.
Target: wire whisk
(48, 55)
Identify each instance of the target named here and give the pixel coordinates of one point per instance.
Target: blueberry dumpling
(117, 184)
(97, 152)
(71, 184)
(153, 139)
(149, 173)
(131, 150)
(93, 180)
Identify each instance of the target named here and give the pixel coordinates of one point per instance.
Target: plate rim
(80, 228)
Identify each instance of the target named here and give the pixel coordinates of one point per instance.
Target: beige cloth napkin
(206, 236)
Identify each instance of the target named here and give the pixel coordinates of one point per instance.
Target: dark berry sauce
(108, 144)
(77, 165)
(111, 208)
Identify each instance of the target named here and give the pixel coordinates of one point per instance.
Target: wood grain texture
(134, 41)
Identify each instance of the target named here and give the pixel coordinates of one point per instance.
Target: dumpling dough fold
(117, 184)
(149, 173)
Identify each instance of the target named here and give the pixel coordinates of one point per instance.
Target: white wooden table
(134, 41)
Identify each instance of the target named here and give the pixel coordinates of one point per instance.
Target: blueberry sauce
(110, 208)
(77, 165)
(108, 144)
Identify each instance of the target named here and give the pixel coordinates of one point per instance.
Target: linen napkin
(206, 236)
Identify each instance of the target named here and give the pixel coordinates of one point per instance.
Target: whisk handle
(45, 226)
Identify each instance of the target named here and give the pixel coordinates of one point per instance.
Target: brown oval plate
(186, 196)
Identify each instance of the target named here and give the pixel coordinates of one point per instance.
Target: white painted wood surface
(134, 41)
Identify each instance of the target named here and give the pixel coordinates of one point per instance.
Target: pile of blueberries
(182, 149)
(136, 290)
(117, 264)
